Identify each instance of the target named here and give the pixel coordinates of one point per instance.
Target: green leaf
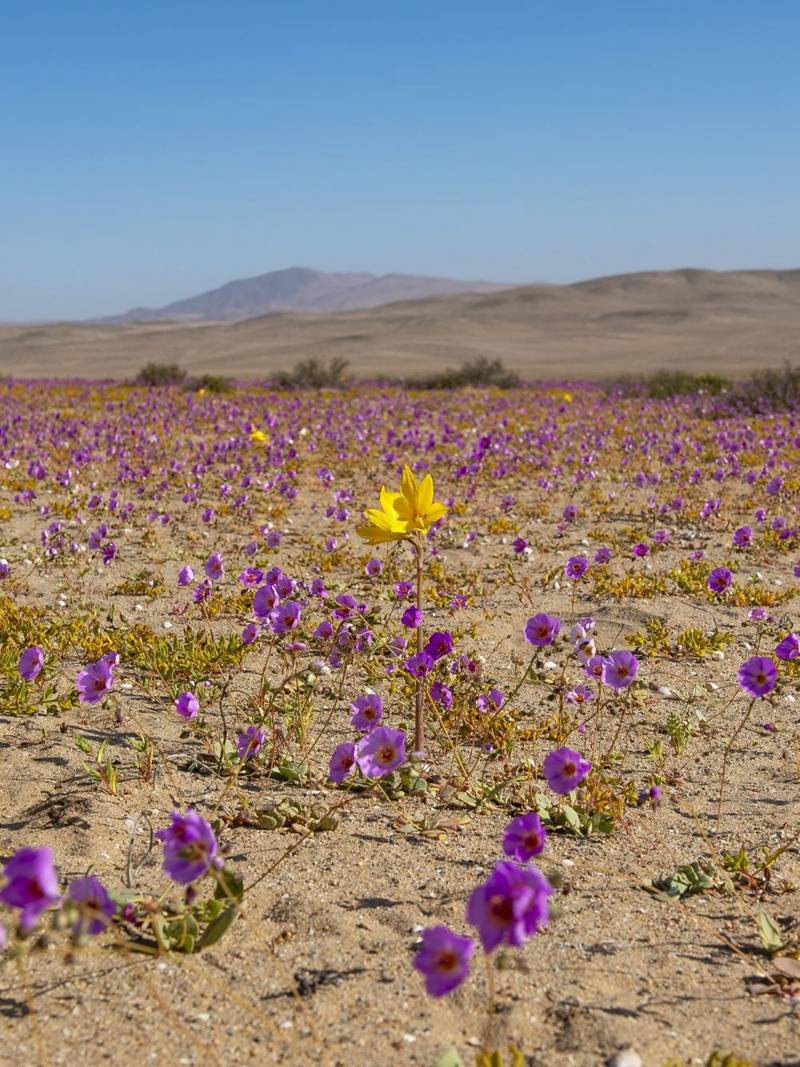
(769, 932)
(450, 1059)
(217, 928)
(572, 817)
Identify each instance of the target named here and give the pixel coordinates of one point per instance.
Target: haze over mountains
(732, 322)
(299, 289)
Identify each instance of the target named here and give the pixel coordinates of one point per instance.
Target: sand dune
(732, 322)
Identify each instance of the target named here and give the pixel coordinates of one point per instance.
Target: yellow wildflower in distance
(258, 437)
(400, 514)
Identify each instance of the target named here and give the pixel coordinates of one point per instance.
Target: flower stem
(419, 712)
(728, 748)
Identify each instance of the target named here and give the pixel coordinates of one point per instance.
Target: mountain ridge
(297, 289)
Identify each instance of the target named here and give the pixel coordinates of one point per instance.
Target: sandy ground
(318, 968)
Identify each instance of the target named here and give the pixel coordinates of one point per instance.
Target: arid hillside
(732, 322)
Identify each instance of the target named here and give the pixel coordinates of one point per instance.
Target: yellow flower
(258, 437)
(560, 394)
(400, 514)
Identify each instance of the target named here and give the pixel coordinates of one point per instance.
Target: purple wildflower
(789, 647)
(343, 762)
(367, 712)
(439, 644)
(542, 629)
(214, 567)
(30, 663)
(510, 906)
(565, 769)
(31, 884)
(187, 706)
(620, 669)
(443, 958)
(381, 751)
(758, 675)
(719, 580)
(95, 907)
(190, 847)
(250, 743)
(411, 617)
(95, 680)
(524, 837)
(576, 567)
(420, 665)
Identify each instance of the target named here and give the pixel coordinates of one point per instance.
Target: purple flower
(403, 590)
(742, 537)
(31, 884)
(758, 676)
(542, 629)
(250, 634)
(381, 751)
(581, 694)
(602, 555)
(524, 837)
(439, 644)
(420, 665)
(30, 663)
(519, 545)
(190, 847)
(443, 958)
(640, 551)
(95, 680)
(594, 667)
(411, 617)
(265, 600)
(95, 907)
(367, 712)
(510, 906)
(251, 577)
(789, 647)
(250, 743)
(570, 513)
(373, 568)
(565, 769)
(442, 695)
(491, 701)
(576, 567)
(214, 567)
(187, 706)
(343, 762)
(285, 617)
(719, 580)
(620, 669)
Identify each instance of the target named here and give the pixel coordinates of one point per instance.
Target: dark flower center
(500, 909)
(385, 754)
(447, 961)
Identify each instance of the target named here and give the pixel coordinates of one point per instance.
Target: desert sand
(732, 322)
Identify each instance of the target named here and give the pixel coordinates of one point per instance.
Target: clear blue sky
(150, 150)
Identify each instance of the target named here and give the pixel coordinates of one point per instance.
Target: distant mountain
(299, 289)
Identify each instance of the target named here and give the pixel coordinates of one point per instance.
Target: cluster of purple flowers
(509, 907)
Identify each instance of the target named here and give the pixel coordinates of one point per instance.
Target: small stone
(627, 1057)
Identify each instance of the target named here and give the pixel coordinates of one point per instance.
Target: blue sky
(152, 150)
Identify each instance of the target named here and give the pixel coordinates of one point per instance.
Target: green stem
(419, 712)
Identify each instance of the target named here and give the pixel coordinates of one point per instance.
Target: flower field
(385, 727)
